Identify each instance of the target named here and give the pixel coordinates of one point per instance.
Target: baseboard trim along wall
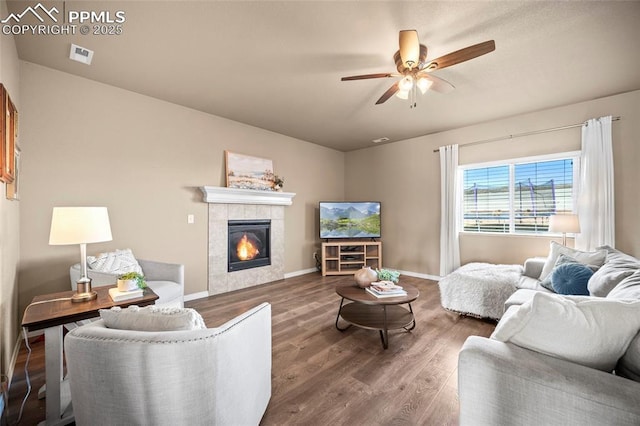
(418, 275)
(195, 296)
(301, 272)
(203, 294)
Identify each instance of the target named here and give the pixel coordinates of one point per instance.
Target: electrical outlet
(191, 219)
(314, 255)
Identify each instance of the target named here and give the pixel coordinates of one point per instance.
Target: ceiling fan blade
(461, 55)
(409, 48)
(438, 84)
(365, 76)
(389, 93)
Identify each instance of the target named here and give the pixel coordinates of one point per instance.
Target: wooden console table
(50, 312)
(346, 257)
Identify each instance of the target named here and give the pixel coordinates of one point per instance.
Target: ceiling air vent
(81, 54)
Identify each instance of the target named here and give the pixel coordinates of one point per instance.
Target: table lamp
(565, 223)
(80, 225)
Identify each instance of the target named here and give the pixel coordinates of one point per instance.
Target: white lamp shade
(78, 225)
(402, 94)
(423, 84)
(566, 223)
(406, 84)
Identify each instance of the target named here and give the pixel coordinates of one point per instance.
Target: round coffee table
(376, 313)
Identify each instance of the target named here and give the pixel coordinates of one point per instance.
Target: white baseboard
(195, 296)
(418, 275)
(408, 273)
(301, 272)
(203, 294)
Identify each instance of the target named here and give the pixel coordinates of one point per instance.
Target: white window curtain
(449, 245)
(596, 192)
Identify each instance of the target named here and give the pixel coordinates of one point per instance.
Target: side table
(50, 312)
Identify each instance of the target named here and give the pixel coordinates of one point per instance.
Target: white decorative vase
(365, 276)
(127, 285)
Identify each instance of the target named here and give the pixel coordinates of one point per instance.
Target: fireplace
(234, 204)
(249, 244)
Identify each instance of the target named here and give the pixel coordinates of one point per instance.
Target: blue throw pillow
(562, 259)
(571, 278)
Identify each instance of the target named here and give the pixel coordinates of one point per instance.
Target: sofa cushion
(595, 332)
(522, 296)
(528, 283)
(571, 278)
(617, 267)
(629, 364)
(152, 318)
(115, 262)
(591, 258)
(629, 288)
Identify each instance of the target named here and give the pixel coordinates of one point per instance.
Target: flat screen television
(349, 219)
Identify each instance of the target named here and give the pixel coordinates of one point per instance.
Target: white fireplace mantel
(223, 195)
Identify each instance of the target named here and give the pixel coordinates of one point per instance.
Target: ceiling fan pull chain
(412, 101)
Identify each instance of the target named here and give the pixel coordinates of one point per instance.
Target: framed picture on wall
(12, 188)
(3, 136)
(9, 130)
(247, 172)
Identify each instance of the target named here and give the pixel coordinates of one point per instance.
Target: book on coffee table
(118, 296)
(385, 289)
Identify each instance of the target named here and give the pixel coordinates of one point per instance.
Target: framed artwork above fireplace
(247, 172)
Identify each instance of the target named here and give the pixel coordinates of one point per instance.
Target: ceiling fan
(415, 70)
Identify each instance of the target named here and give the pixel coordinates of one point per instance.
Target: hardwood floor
(323, 376)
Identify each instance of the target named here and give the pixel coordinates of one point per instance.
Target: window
(518, 196)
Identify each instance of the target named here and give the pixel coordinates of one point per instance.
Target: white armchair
(165, 279)
(217, 376)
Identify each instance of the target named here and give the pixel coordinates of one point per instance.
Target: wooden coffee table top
(357, 294)
(49, 314)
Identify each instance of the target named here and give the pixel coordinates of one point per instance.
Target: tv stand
(346, 257)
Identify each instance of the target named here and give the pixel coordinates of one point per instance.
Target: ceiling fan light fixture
(402, 94)
(406, 83)
(424, 84)
(415, 71)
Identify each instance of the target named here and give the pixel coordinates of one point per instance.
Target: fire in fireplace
(249, 244)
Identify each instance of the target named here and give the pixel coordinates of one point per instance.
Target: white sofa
(503, 383)
(217, 376)
(165, 279)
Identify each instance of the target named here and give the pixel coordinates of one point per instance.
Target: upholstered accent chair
(165, 279)
(214, 376)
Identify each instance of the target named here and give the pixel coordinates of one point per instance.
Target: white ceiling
(277, 64)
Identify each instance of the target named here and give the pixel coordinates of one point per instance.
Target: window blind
(517, 197)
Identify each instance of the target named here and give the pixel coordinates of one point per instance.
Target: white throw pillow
(590, 258)
(115, 262)
(617, 267)
(595, 333)
(152, 318)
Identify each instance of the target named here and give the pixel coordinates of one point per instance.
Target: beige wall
(86, 143)
(94, 144)
(405, 176)
(9, 217)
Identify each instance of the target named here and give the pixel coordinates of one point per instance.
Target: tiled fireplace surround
(235, 204)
